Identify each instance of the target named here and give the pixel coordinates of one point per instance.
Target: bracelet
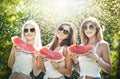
(76, 65)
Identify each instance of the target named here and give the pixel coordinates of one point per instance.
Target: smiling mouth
(29, 35)
(89, 32)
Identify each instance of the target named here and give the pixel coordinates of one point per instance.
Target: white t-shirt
(23, 63)
(50, 71)
(89, 66)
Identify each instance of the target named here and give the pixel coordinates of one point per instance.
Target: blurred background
(48, 14)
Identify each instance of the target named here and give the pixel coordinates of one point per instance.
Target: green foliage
(14, 12)
(111, 20)
(10, 22)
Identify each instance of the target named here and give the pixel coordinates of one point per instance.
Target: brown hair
(68, 41)
(94, 21)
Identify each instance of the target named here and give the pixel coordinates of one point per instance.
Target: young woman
(64, 37)
(90, 65)
(22, 63)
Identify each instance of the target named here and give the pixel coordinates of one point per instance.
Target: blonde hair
(37, 40)
(94, 21)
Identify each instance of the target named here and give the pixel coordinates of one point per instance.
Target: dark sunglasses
(31, 30)
(63, 30)
(90, 27)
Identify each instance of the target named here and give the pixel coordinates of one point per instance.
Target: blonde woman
(90, 65)
(22, 63)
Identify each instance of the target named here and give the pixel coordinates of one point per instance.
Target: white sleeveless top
(23, 63)
(50, 71)
(89, 67)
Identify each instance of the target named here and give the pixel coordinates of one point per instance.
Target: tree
(10, 22)
(111, 20)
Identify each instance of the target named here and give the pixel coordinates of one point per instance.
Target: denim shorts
(62, 77)
(17, 75)
(97, 78)
(55, 78)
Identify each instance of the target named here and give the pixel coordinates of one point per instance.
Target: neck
(30, 41)
(93, 41)
(59, 41)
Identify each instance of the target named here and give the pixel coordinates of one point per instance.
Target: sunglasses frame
(90, 27)
(26, 30)
(63, 30)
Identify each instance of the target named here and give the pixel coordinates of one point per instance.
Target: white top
(89, 66)
(50, 71)
(23, 63)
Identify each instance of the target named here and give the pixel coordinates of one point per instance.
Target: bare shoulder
(104, 47)
(65, 50)
(104, 44)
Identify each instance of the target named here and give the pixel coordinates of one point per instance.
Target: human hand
(16, 49)
(35, 54)
(42, 58)
(74, 58)
(55, 64)
(93, 56)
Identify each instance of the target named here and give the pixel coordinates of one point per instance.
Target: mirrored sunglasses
(29, 30)
(63, 30)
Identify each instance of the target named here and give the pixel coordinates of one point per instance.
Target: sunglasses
(29, 30)
(63, 30)
(90, 27)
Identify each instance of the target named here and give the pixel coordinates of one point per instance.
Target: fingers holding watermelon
(93, 56)
(35, 54)
(75, 58)
(55, 64)
(43, 58)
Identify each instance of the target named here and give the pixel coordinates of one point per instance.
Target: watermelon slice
(28, 48)
(51, 55)
(80, 49)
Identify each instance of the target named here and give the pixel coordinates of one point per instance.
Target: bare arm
(41, 64)
(105, 62)
(12, 56)
(36, 69)
(67, 70)
(103, 57)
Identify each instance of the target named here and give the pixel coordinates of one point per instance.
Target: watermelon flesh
(51, 55)
(80, 49)
(28, 48)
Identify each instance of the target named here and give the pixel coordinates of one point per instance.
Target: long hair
(94, 21)
(68, 41)
(37, 40)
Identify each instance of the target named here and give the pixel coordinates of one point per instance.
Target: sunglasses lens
(25, 30)
(65, 32)
(91, 27)
(60, 28)
(84, 27)
(32, 30)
